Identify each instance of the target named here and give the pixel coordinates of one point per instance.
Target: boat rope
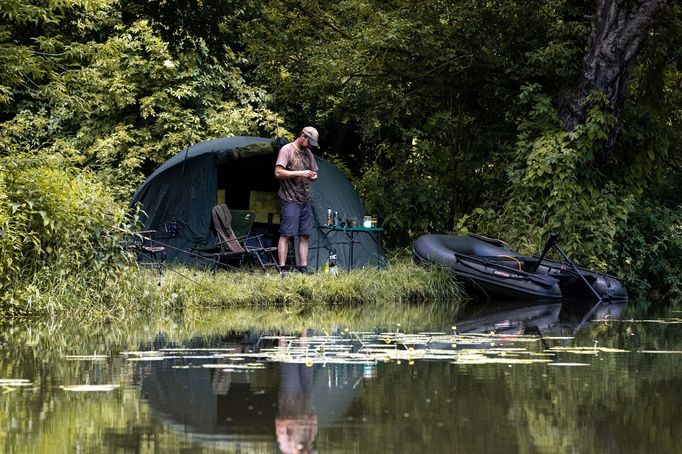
(518, 262)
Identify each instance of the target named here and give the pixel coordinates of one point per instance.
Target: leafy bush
(555, 188)
(409, 190)
(111, 96)
(651, 253)
(59, 229)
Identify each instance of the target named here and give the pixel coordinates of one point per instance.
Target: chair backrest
(222, 223)
(242, 222)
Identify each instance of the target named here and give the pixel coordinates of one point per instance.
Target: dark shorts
(295, 219)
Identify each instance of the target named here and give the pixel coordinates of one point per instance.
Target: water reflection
(296, 422)
(499, 379)
(563, 318)
(286, 402)
(304, 383)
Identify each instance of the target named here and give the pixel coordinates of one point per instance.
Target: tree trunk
(618, 29)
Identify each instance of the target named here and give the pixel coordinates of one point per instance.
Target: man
(295, 169)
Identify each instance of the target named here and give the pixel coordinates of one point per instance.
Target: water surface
(541, 378)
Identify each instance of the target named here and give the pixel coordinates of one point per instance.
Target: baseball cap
(312, 135)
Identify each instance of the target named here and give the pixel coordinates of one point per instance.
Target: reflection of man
(296, 423)
(296, 435)
(220, 382)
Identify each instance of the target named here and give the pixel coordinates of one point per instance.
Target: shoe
(304, 270)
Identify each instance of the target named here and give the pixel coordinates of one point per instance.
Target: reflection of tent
(214, 404)
(178, 197)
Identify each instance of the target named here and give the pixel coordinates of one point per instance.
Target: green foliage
(409, 195)
(113, 98)
(651, 149)
(554, 187)
(651, 247)
(379, 69)
(434, 108)
(59, 236)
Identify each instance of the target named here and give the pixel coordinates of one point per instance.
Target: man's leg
(304, 229)
(303, 250)
(288, 227)
(282, 250)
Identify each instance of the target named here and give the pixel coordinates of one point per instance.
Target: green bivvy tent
(177, 199)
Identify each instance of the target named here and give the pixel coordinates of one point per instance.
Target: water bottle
(330, 221)
(332, 263)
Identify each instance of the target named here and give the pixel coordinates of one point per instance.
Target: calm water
(552, 378)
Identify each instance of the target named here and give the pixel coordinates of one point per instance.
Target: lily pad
(90, 388)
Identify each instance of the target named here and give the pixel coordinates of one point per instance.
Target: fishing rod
(145, 250)
(209, 260)
(161, 267)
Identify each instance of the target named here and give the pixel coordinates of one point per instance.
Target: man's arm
(281, 173)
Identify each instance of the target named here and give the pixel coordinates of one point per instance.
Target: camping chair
(141, 244)
(234, 242)
(149, 253)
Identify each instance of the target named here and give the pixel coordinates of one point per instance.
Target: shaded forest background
(510, 119)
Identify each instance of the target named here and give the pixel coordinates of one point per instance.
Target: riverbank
(140, 290)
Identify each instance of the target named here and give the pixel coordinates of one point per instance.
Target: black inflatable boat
(490, 268)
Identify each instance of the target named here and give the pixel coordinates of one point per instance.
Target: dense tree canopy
(512, 119)
(113, 96)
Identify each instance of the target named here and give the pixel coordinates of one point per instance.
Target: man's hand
(309, 174)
